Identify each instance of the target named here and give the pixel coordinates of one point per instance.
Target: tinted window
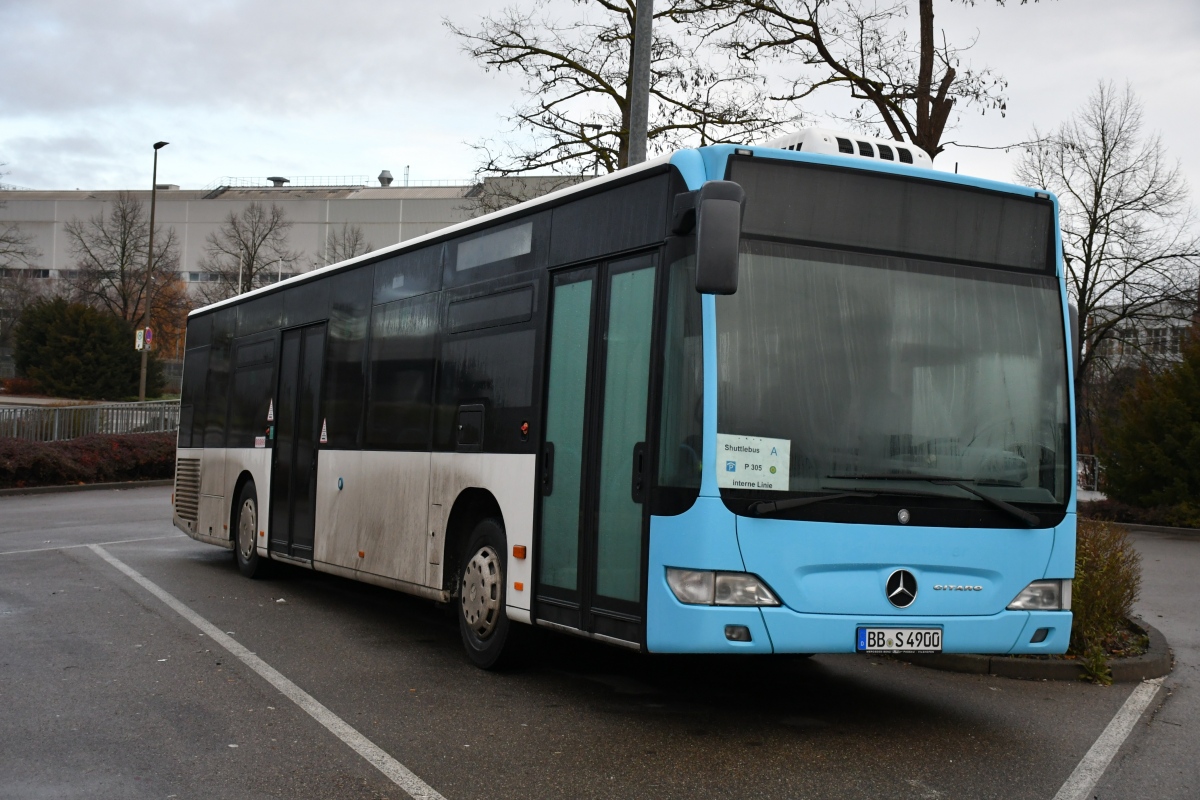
(403, 338)
(216, 388)
(344, 382)
(489, 311)
(191, 397)
(503, 250)
(199, 331)
(253, 387)
(495, 246)
(306, 302)
(900, 215)
(408, 274)
(495, 370)
(618, 219)
(682, 426)
(260, 314)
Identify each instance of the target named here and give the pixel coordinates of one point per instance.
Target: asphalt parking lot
(108, 690)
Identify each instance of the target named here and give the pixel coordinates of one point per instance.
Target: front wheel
(486, 631)
(245, 545)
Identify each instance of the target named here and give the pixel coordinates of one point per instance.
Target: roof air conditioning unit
(827, 142)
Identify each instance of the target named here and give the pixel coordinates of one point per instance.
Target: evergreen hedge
(73, 350)
(1152, 453)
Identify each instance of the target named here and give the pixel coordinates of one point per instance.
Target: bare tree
(908, 88)
(110, 263)
(1129, 236)
(248, 251)
(344, 243)
(16, 247)
(18, 287)
(574, 115)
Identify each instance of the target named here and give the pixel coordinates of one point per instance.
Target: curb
(85, 487)
(1155, 663)
(1132, 528)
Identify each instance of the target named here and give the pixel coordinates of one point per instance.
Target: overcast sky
(308, 87)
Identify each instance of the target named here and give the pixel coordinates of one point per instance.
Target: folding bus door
(593, 521)
(297, 434)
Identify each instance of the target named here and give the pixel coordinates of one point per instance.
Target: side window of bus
(216, 384)
(505, 249)
(195, 370)
(344, 383)
(488, 357)
(191, 397)
(253, 388)
(403, 341)
(408, 275)
(682, 445)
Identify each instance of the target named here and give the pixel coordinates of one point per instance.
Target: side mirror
(719, 206)
(1073, 312)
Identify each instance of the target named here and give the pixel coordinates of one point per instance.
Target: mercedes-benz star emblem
(901, 588)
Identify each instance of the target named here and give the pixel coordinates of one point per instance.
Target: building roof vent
(385, 178)
(278, 182)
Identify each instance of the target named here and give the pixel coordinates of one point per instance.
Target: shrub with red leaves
(99, 458)
(22, 387)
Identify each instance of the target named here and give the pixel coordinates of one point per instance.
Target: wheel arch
(472, 505)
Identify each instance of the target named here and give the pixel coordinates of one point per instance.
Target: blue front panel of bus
(824, 568)
(831, 580)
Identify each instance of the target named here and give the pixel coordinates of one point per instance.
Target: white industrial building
(386, 214)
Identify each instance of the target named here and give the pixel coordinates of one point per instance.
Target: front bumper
(673, 627)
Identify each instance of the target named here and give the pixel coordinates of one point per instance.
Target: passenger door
(297, 434)
(594, 458)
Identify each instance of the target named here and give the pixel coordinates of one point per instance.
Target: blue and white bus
(811, 397)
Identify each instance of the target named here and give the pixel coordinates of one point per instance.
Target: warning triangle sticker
(324, 433)
(271, 412)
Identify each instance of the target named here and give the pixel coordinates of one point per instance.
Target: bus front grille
(187, 488)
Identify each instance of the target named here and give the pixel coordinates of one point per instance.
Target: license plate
(899, 640)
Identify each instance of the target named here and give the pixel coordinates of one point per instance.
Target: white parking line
(1089, 771)
(396, 772)
(73, 546)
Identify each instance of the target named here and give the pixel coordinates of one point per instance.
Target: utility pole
(149, 272)
(639, 90)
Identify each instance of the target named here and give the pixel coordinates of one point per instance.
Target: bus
(810, 397)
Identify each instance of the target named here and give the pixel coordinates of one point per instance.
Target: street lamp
(149, 271)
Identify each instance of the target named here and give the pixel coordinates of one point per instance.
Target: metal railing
(52, 424)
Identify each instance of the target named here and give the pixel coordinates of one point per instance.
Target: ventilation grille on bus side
(187, 488)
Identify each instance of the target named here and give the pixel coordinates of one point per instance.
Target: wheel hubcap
(481, 592)
(247, 523)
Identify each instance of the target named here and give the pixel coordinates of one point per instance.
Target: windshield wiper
(939, 480)
(761, 507)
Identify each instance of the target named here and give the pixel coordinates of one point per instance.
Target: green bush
(99, 458)
(1108, 578)
(73, 350)
(1151, 454)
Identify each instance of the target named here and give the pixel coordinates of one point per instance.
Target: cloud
(309, 87)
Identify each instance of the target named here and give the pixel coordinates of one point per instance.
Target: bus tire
(245, 534)
(484, 626)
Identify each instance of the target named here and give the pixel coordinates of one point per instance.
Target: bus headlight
(1043, 596)
(701, 587)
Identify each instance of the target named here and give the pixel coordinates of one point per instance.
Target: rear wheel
(486, 632)
(245, 543)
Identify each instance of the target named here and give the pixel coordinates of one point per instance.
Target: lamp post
(639, 91)
(149, 270)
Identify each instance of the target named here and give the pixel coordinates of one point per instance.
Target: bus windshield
(861, 368)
